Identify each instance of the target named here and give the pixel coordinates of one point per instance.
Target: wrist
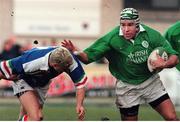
(76, 52)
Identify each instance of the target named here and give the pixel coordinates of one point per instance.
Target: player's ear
(137, 29)
(53, 64)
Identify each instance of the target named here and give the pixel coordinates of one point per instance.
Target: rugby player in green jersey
(173, 36)
(127, 48)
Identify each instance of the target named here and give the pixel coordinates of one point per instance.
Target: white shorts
(21, 86)
(128, 95)
(171, 80)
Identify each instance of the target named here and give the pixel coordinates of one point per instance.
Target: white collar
(140, 26)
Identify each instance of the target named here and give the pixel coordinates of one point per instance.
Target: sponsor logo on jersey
(138, 56)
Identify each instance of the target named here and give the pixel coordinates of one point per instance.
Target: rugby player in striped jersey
(32, 73)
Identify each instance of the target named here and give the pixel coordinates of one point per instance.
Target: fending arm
(82, 56)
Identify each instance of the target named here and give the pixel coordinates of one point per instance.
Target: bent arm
(12, 77)
(161, 64)
(93, 53)
(171, 62)
(75, 50)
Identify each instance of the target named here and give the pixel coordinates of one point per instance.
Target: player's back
(32, 60)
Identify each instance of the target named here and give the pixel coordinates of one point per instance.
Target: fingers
(81, 113)
(68, 44)
(64, 43)
(152, 63)
(159, 63)
(71, 43)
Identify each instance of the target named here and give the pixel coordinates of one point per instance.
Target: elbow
(83, 58)
(172, 61)
(85, 61)
(176, 60)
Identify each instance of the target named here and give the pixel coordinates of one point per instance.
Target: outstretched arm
(80, 94)
(82, 56)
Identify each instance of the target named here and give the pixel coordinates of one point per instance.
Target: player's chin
(128, 37)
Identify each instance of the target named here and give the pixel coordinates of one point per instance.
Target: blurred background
(82, 21)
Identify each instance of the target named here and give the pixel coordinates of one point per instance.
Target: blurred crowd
(12, 49)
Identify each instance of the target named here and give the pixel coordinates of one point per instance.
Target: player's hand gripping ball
(159, 51)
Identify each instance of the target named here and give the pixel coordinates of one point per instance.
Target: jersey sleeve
(169, 37)
(6, 68)
(98, 49)
(11, 67)
(77, 74)
(162, 42)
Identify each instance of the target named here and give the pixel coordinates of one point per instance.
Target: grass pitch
(63, 109)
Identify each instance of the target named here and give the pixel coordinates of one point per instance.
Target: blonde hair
(61, 56)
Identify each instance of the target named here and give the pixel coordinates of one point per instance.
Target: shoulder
(149, 29)
(113, 33)
(174, 29)
(152, 33)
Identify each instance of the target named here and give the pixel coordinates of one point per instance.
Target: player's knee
(129, 114)
(171, 117)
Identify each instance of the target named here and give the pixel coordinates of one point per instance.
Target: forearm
(171, 62)
(80, 95)
(12, 77)
(82, 56)
(1, 76)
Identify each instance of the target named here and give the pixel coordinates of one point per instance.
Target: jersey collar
(141, 30)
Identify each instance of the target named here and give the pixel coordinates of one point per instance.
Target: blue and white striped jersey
(32, 66)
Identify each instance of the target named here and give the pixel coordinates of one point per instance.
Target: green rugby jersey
(128, 59)
(173, 36)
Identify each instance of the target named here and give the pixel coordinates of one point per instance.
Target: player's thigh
(165, 107)
(167, 110)
(30, 103)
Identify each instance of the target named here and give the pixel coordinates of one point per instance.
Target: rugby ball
(153, 57)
